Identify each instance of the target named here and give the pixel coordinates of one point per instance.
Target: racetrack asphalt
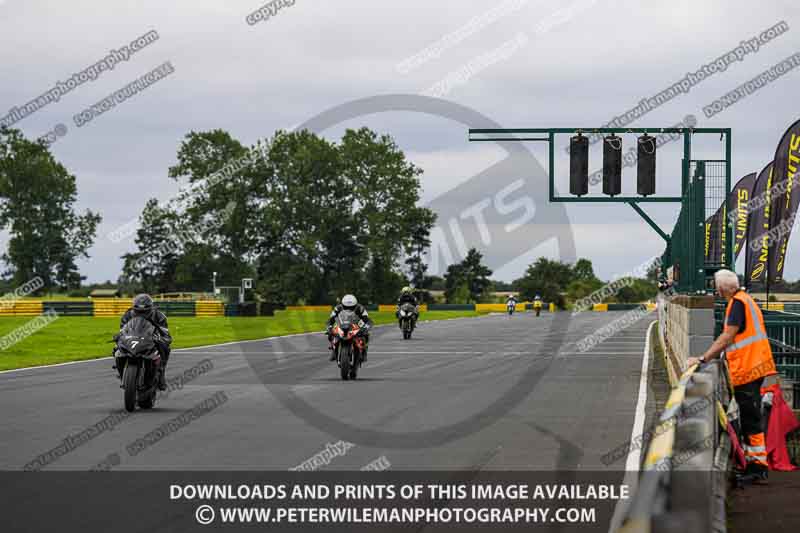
(495, 392)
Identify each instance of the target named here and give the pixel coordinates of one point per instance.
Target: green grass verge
(80, 338)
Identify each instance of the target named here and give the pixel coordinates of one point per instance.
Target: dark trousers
(164, 351)
(748, 397)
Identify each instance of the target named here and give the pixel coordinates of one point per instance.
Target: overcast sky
(528, 64)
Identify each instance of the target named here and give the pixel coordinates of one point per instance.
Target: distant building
(105, 293)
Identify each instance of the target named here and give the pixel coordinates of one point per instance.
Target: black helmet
(142, 304)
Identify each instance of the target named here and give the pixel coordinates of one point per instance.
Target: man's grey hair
(726, 280)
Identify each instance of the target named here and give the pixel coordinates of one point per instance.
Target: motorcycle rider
(144, 306)
(511, 301)
(349, 303)
(537, 304)
(407, 296)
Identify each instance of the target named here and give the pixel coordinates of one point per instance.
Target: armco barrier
(111, 307)
(684, 476)
(451, 307)
(21, 308)
(391, 308)
(200, 308)
(545, 307)
(622, 307)
(69, 308)
(309, 307)
(115, 307)
(497, 308)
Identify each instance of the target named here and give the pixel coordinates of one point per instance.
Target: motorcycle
(407, 319)
(537, 306)
(138, 363)
(511, 306)
(348, 343)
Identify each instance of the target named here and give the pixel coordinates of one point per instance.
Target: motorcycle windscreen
(346, 319)
(137, 336)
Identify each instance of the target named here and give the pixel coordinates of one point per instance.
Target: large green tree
(337, 216)
(308, 244)
(37, 208)
(216, 172)
(468, 281)
(419, 241)
(311, 218)
(386, 191)
(160, 240)
(547, 278)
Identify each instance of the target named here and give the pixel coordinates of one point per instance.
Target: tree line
(46, 236)
(555, 281)
(307, 218)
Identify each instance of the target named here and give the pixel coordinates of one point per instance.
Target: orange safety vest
(749, 356)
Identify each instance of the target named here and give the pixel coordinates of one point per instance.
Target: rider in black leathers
(144, 306)
(350, 303)
(407, 296)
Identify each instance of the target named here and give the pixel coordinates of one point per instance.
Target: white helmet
(349, 301)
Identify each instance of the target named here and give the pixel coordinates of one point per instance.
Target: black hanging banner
(785, 198)
(739, 199)
(757, 253)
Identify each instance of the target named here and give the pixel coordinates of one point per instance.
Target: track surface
(576, 407)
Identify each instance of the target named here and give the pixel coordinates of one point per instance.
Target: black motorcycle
(406, 314)
(348, 343)
(138, 362)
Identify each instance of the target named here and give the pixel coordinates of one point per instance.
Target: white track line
(632, 464)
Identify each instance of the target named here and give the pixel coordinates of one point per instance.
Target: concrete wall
(687, 324)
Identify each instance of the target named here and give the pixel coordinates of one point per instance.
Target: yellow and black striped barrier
(622, 307)
(107, 307)
(21, 308)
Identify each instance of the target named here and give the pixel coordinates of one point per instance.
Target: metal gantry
(687, 255)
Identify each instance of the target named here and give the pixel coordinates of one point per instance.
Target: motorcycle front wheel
(148, 400)
(344, 361)
(130, 382)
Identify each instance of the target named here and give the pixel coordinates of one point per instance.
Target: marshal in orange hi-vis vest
(749, 356)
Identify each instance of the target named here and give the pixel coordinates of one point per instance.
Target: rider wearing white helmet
(407, 296)
(350, 303)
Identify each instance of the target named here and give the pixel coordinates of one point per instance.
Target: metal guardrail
(685, 473)
(683, 481)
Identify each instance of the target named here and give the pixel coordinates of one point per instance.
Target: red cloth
(736, 450)
(781, 422)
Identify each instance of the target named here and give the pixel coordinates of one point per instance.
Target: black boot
(162, 378)
(333, 352)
